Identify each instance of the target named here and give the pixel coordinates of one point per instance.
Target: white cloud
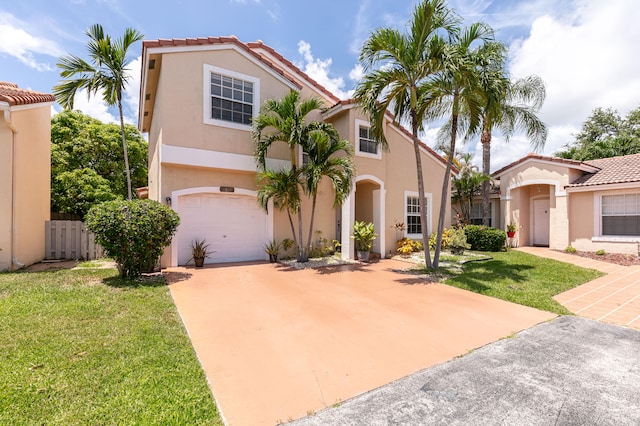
(356, 73)
(318, 69)
(94, 107)
(17, 41)
(586, 54)
(131, 95)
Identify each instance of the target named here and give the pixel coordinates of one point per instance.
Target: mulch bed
(617, 258)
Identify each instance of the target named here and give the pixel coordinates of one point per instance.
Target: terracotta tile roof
(13, 95)
(532, 156)
(203, 41)
(260, 45)
(621, 169)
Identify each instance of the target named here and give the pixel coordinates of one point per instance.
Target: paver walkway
(613, 298)
(277, 343)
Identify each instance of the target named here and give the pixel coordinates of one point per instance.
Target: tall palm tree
(509, 107)
(456, 93)
(330, 157)
(399, 67)
(283, 189)
(106, 72)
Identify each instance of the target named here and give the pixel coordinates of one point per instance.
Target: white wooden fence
(69, 239)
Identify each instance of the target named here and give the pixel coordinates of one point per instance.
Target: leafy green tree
(399, 67)
(284, 121)
(605, 134)
(87, 162)
(467, 185)
(106, 73)
(134, 233)
(76, 191)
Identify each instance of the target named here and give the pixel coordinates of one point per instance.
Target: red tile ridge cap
(203, 41)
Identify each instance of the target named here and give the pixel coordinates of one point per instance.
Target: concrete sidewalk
(613, 298)
(278, 343)
(570, 371)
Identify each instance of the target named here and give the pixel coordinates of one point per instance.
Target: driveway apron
(278, 343)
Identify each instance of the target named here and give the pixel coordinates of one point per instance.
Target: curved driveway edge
(278, 343)
(571, 371)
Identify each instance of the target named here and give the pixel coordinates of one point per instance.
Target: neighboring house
(198, 97)
(25, 173)
(589, 205)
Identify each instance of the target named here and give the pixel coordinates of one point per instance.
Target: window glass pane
(227, 81)
(248, 97)
(216, 78)
(215, 102)
(364, 132)
(216, 90)
(248, 109)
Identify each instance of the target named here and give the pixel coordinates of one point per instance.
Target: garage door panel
(234, 226)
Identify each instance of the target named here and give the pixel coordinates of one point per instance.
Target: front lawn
(522, 278)
(84, 347)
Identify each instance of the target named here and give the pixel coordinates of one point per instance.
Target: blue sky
(585, 50)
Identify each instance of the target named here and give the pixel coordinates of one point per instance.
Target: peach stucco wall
(32, 183)
(178, 122)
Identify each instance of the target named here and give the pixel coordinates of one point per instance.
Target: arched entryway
(365, 203)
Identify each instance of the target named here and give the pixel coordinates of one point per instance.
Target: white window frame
(206, 96)
(429, 199)
(597, 220)
(358, 124)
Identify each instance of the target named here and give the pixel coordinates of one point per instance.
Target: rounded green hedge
(134, 233)
(483, 238)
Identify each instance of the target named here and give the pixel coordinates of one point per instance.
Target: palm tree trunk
(445, 187)
(124, 148)
(313, 214)
(421, 197)
(293, 229)
(486, 169)
(302, 251)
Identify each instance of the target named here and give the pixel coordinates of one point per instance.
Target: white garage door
(234, 225)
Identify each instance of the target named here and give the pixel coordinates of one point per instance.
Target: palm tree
(285, 121)
(456, 93)
(283, 189)
(399, 67)
(466, 184)
(107, 73)
(509, 107)
(329, 157)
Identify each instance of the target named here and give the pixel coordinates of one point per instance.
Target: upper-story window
(366, 145)
(231, 99)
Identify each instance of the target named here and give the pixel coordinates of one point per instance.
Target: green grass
(522, 278)
(83, 347)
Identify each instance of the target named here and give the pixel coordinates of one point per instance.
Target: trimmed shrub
(134, 233)
(458, 241)
(570, 249)
(600, 252)
(483, 238)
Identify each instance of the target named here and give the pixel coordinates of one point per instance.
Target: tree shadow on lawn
(151, 280)
(475, 276)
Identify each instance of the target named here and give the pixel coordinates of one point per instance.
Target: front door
(540, 222)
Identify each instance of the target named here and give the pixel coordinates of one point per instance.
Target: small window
(365, 144)
(621, 215)
(231, 99)
(413, 216)
(476, 214)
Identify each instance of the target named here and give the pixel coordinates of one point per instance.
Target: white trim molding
(182, 156)
(559, 190)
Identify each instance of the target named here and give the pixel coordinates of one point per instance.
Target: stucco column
(348, 215)
(558, 221)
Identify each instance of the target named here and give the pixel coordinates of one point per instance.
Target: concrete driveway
(278, 343)
(571, 371)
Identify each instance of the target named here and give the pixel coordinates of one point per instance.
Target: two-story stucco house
(198, 97)
(588, 205)
(25, 173)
